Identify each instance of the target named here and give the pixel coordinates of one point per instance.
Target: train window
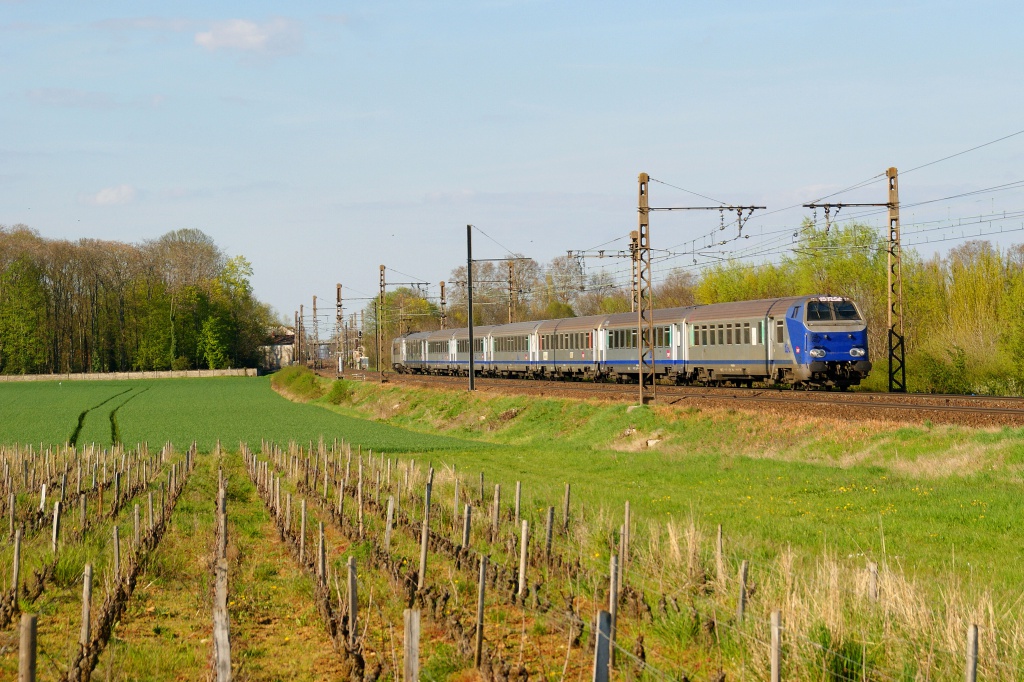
(721, 335)
(728, 334)
(845, 310)
(779, 336)
(746, 333)
(759, 337)
(819, 311)
(704, 336)
(714, 335)
(694, 335)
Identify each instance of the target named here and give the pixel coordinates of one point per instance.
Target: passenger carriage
(566, 348)
(619, 356)
(513, 349)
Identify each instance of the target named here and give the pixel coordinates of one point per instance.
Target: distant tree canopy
(964, 312)
(97, 306)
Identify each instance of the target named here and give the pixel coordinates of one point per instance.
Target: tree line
(963, 310)
(176, 302)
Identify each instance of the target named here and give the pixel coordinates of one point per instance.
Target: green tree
(22, 319)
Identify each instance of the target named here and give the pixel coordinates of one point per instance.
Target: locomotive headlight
(817, 352)
(857, 352)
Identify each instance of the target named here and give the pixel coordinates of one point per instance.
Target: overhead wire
(507, 250)
(873, 178)
(966, 151)
(683, 189)
(759, 247)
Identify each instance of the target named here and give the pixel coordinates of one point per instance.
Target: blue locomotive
(807, 341)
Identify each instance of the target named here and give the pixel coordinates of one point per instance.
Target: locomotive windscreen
(826, 311)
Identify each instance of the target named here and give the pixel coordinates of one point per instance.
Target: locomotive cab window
(846, 311)
(819, 311)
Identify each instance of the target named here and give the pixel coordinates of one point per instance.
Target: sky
(320, 140)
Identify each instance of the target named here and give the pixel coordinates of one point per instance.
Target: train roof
(661, 315)
(571, 324)
(478, 331)
(515, 328)
(759, 308)
(412, 336)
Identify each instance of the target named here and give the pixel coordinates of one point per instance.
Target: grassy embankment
(812, 502)
(939, 500)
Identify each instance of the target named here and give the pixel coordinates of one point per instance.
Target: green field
(231, 409)
(944, 501)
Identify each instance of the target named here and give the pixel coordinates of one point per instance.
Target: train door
(775, 344)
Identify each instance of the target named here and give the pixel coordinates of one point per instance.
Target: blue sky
(322, 139)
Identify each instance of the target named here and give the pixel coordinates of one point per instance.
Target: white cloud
(112, 196)
(277, 36)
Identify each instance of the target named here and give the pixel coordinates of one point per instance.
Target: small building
(280, 349)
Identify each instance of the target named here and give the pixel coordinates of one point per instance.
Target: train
(815, 341)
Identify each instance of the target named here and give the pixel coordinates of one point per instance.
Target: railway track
(979, 411)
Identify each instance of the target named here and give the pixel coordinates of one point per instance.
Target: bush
(942, 375)
(299, 382)
(341, 392)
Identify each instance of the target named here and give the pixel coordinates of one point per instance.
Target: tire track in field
(115, 432)
(73, 440)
